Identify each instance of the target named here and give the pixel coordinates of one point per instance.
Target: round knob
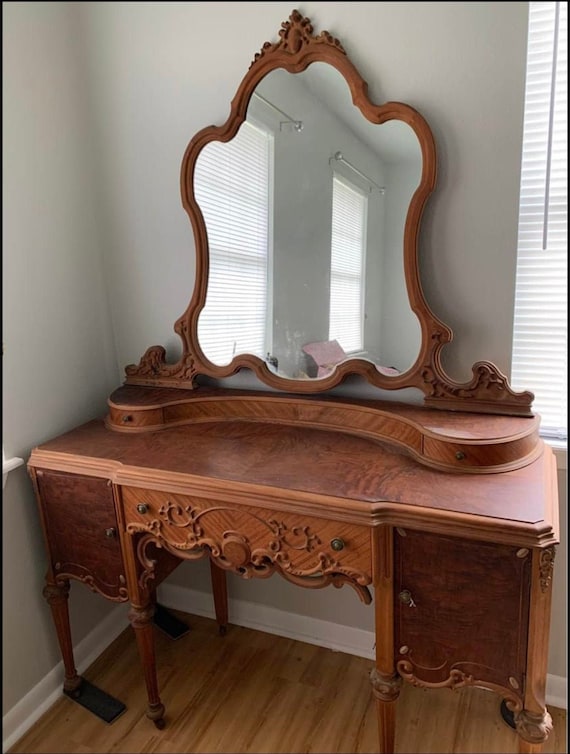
(127, 418)
(405, 597)
(142, 508)
(110, 532)
(337, 544)
(460, 455)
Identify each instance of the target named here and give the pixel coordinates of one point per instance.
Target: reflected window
(348, 243)
(233, 188)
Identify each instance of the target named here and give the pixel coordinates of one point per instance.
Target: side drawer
(252, 541)
(82, 531)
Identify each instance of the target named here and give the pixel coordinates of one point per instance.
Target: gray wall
(100, 102)
(59, 361)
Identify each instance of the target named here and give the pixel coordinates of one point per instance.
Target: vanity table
(442, 516)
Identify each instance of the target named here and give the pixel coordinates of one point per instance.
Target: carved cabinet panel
(461, 612)
(253, 542)
(82, 531)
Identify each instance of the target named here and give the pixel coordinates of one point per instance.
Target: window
(348, 242)
(540, 331)
(232, 183)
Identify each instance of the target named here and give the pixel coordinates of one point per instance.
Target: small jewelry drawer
(125, 420)
(251, 541)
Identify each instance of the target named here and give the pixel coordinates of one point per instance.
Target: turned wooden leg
(57, 596)
(220, 589)
(141, 621)
(386, 690)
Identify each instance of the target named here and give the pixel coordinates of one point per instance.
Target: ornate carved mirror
(306, 207)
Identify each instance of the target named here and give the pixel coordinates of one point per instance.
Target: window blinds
(540, 330)
(349, 207)
(232, 188)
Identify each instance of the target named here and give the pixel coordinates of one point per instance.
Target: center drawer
(253, 541)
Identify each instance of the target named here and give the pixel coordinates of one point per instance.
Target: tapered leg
(141, 621)
(220, 589)
(386, 691)
(57, 596)
(527, 748)
(533, 723)
(386, 683)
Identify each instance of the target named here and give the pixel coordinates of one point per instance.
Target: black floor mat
(168, 623)
(96, 701)
(507, 715)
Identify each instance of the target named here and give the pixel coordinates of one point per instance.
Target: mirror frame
(487, 392)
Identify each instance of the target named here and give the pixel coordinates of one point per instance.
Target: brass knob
(111, 532)
(337, 544)
(460, 455)
(142, 508)
(406, 598)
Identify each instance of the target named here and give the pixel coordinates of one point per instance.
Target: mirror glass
(305, 211)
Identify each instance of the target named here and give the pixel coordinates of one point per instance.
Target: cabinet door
(462, 610)
(81, 530)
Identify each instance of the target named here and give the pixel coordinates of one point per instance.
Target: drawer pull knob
(111, 532)
(406, 598)
(142, 508)
(337, 544)
(127, 418)
(460, 455)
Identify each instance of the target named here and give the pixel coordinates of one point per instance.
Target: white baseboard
(44, 694)
(253, 615)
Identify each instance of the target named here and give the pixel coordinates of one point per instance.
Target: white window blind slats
(233, 190)
(540, 330)
(348, 241)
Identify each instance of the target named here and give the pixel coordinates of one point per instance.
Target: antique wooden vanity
(442, 515)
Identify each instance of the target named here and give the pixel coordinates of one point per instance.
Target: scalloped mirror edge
(487, 392)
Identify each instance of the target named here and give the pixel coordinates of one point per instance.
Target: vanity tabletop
(316, 471)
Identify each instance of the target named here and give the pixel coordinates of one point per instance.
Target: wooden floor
(254, 692)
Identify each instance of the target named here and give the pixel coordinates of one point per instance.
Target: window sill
(560, 453)
(8, 465)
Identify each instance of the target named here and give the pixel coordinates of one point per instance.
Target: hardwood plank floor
(254, 692)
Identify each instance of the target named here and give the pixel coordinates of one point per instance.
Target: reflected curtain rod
(339, 158)
(297, 124)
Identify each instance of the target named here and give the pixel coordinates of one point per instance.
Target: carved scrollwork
(307, 541)
(295, 34)
(458, 679)
(232, 550)
(546, 567)
(153, 365)
(109, 591)
(487, 385)
(533, 727)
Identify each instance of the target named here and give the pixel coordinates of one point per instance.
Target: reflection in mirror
(305, 211)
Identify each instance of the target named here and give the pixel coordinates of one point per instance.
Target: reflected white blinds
(232, 187)
(348, 242)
